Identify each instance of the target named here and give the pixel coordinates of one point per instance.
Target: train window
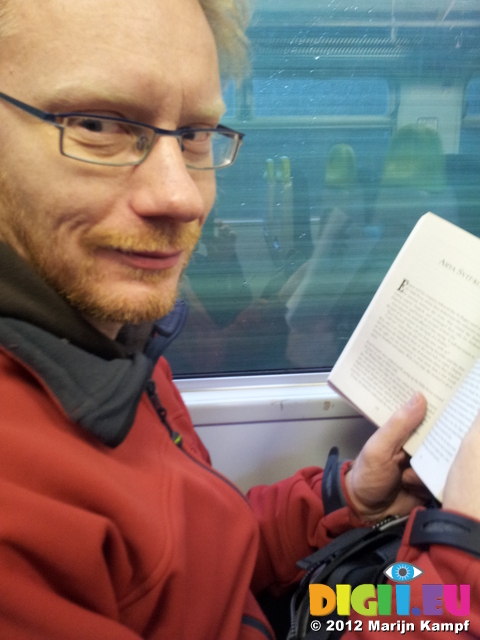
(281, 95)
(473, 97)
(359, 117)
(229, 99)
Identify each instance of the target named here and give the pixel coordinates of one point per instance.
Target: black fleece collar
(97, 381)
(25, 296)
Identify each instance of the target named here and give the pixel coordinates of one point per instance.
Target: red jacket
(141, 540)
(144, 540)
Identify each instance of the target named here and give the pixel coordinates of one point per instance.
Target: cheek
(81, 198)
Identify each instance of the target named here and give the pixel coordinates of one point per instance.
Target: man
(113, 524)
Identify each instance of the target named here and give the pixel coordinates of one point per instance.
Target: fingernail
(414, 400)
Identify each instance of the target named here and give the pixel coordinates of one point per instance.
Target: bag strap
(350, 540)
(434, 526)
(332, 493)
(334, 548)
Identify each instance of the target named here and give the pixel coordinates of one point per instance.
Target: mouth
(147, 260)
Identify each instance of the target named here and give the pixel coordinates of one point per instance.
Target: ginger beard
(82, 282)
(88, 289)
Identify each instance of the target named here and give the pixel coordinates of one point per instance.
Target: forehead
(166, 47)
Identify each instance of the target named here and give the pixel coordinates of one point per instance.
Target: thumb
(403, 422)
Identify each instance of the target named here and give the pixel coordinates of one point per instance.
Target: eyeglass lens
(115, 142)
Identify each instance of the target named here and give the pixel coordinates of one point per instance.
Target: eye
(91, 124)
(402, 572)
(200, 136)
(197, 145)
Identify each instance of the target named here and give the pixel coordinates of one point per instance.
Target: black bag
(361, 555)
(356, 557)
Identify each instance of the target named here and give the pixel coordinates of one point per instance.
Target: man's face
(113, 240)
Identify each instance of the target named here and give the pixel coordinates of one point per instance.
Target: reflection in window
(339, 160)
(229, 100)
(281, 95)
(473, 97)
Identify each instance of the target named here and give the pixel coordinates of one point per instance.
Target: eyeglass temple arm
(38, 113)
(51, 117)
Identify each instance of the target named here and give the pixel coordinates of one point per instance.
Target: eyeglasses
(119, 142)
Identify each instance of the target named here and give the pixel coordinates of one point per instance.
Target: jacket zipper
(177, 439)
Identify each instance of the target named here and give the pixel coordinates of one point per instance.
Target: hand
(380, 482)
(335, 224)
(221, 246)
(462, 489)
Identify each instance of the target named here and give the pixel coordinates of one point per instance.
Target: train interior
(359, 117)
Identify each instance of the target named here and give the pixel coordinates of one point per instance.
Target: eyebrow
(71, 98)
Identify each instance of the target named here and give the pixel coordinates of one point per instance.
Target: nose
(163, 186)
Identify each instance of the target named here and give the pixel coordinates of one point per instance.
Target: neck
(109, 329)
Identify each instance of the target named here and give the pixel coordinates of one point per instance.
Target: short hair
(228, 20)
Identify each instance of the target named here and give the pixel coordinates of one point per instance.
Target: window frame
(238, 400)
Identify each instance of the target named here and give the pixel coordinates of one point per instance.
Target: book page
(435, 455)
(421, 332)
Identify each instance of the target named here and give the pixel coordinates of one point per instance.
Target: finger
(462, 488)
(473, 434)
(405, 503)
(412, 484)
(409, 477)
(403, 422)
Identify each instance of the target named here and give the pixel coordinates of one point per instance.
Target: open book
(421, 332)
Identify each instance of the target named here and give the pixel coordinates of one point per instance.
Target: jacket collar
(26, 296)
(97, 381)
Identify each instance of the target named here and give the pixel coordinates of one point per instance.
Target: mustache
(168, 237)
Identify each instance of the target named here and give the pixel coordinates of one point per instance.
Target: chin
(123, 308)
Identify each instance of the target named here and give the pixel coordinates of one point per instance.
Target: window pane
(229, 100)
(358, 118)
(473, 97)
(281, 95)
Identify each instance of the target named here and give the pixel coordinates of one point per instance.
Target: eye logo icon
(402, 572)
(377, 600)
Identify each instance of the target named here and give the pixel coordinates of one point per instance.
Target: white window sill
(254, 399)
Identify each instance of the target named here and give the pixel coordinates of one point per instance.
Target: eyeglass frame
(50, 118)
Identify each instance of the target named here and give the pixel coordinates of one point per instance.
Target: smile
(147, 260)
